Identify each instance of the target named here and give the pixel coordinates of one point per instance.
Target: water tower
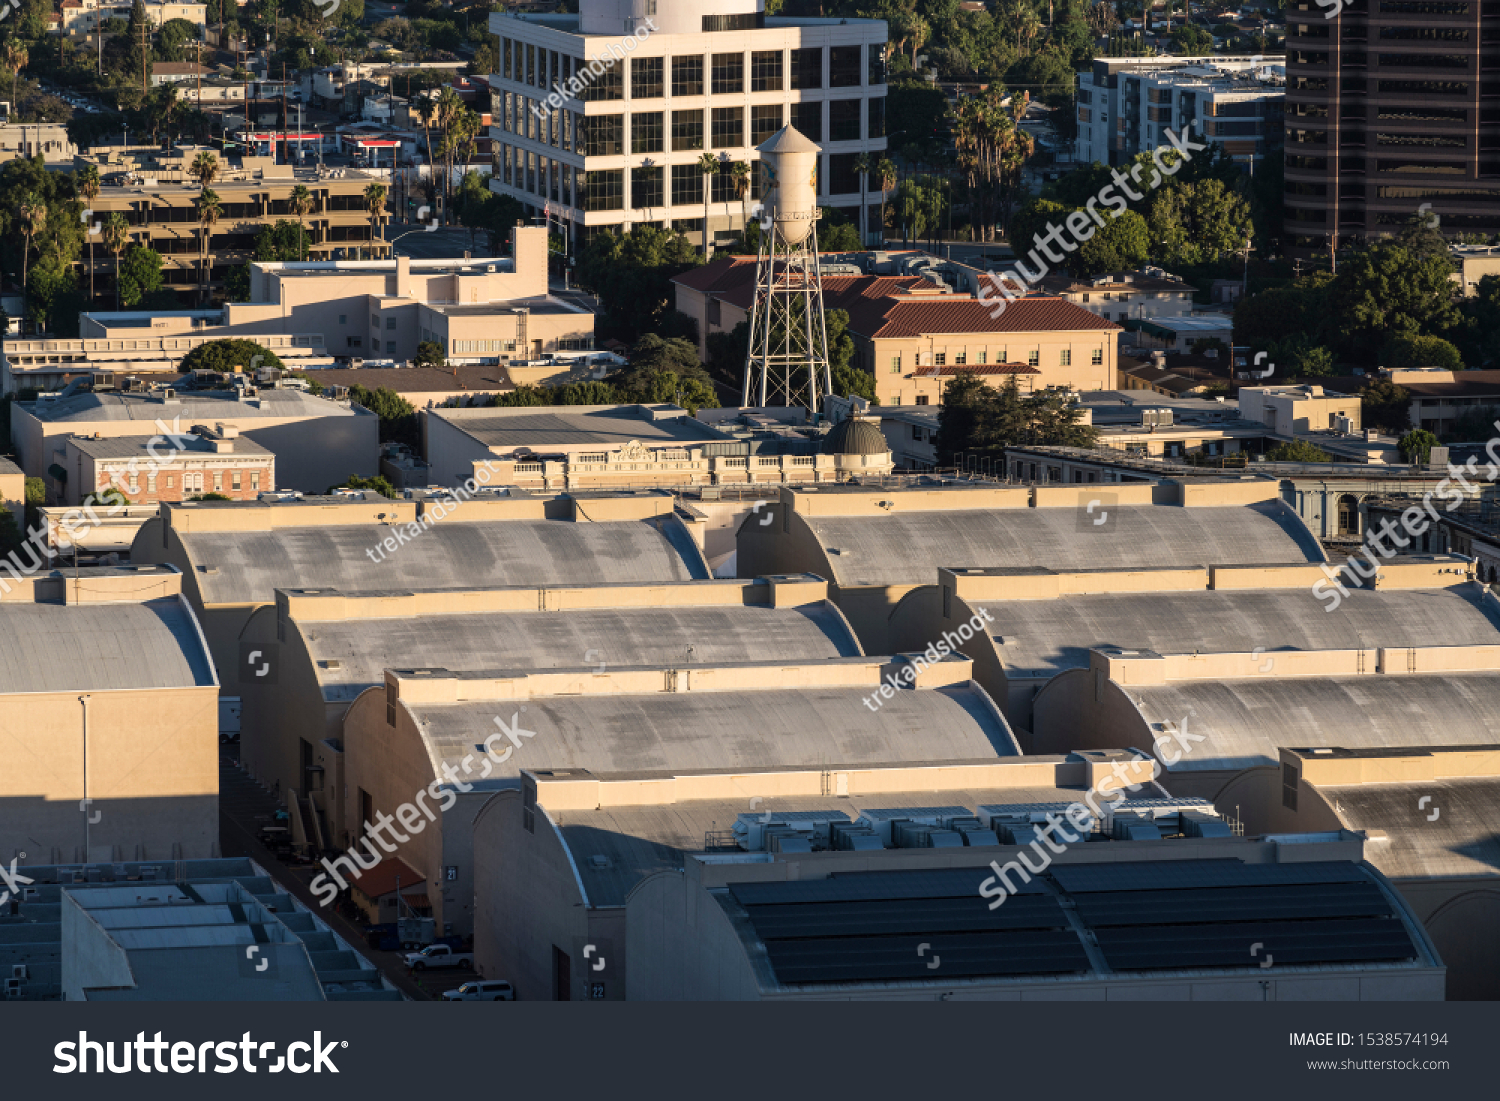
(787, 360)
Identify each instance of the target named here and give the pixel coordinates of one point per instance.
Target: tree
(885, 171)
(1121, 244)
(665, 371)
(33, 212)
(1383, 291)
(224, 356)
(378, 484)
(430, 354)
(88, 190)
(1297, 451)
(398, 419)
(301, 204)
(116, 236)
(835, 233)
(209, 208)
(1407, 350)
(1198, 222)
(375, 208)
(140, 275)
(708, 166)
(1385, 405)
(978, 418)
(1191, 41)
(13, 58)
(1416, 445)
(632, 274)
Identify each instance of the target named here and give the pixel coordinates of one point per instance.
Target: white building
(1127, 104)
(719, 76)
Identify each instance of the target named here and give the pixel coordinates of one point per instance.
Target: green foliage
(430, 354)
(665, 371)
(110, 497)
(140, 276)
(379, 484)
(835, 232)
(1196, 223)
(1264, 319)
(210, 497)
(36, 489)
(1192, 41)
(1297, 451)
(917, 111)
(1121, 244)
(1386, 405)
(1407, 350)
(1473, 425)
(1384, 290)
(11, 536)
(225, 355)
(1416, 445)
(978, 418)
(284, 241)
(632, 275)
(398, 419)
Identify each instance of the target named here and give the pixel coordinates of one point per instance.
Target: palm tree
(205, 168)
(301, 204)
(88, 187)
(209, 209)
(450, 109)
(862, 167)
(427, 111)
(116, 237)
(708, 165)
(375, 208)
(33, 212)
(740, 174)
(13, 56)
(885, 169)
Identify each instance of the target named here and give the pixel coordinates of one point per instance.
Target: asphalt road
(443, 243)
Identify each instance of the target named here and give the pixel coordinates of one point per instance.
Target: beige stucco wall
(900, 385)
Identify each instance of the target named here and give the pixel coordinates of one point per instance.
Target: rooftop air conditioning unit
(18, 971)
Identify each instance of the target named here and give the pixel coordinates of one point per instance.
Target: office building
(150, 469)
(625, 151)
(1386, 121)
(1126, 105)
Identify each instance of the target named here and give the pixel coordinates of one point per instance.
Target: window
(983, 356)
(687, 185)
(765, 120)
(608, 85)
(765, 71)
(807, 69)
(748, 21)
(1065, 357)
(1033, 357)
(390, 323)
(355, 342)
(844, 66)
(603, 135)
(529, 75)
(390, 346)
(151, 482)
(916, 432)
(687, 76)
(940, 360)
(728, 74)
(234, 480)
(645, 187)
(921, 399)
(877, 69)
(808, 118)
(343, 319)
(505, 48)
(723, 190)
(645, 132)
(218, 481)
(876, 117)
(728, 127)
(843, 120)
(254, 480)
(842, 177)
(687, 130)
(960, 358)
(1098, 356)
(895, 365)
(375, 321)
(604, 190)
(171, 480)
(645, 78)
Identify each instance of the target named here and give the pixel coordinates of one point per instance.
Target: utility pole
(286, 142)
(145, 64)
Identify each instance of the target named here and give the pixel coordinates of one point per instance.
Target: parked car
(487, 990)
(435, 956)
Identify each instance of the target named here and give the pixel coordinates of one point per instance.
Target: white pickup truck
(438, 955)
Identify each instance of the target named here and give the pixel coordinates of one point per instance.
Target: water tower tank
(789, 162)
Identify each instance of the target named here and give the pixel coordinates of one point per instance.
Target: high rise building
(1393, 112)
(642, 89)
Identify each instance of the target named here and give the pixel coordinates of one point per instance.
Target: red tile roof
(978, 369)
(381, 879)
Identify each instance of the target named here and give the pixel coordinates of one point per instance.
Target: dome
(855, 437)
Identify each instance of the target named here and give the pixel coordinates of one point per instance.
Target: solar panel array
(1143, 916)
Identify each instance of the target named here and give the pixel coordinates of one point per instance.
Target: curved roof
(724, 731)
(251, 566)
(1047, 636)
(1245, 722)
(1462, 840)
(101, 647)
(364, 648)
(905, 548)
(855, 437)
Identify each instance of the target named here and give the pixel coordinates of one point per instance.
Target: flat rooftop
(165, 447)
(578, 426)
(111, 405)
